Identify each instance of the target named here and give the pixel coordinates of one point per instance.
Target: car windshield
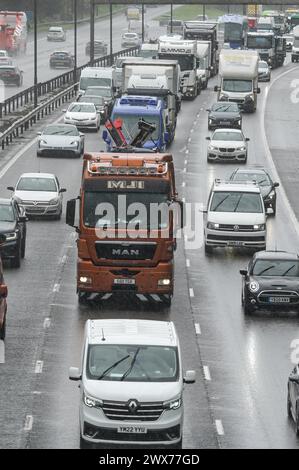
(94, 81)
(263, 65)
(37, 184)
(130, 35)
(262, 179)
(186, 62)
(130, 123)
(60, 54)
(96, 100)
(109, 209)
(296, 42)
(101, 91)
(81, 108)
(6, 213)
(225, 107)
(274, 267)
(239, 86)
(228, 136)
(55, 30)
(61, 130)
(225, 201)
(132, 363)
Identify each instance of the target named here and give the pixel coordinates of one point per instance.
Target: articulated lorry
(124, 245)
(13, 31)
(203, 63)
(271, 48)
(238, 72)
(160, 78)
(185, 52)
(205, 31)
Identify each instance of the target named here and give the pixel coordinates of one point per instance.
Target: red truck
(13, 31)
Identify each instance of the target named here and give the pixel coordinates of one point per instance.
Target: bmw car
(271, 282)
(61, 59)
(293, 397)
(227, 145)
(263, 179)
(223, 114)
(60, 140)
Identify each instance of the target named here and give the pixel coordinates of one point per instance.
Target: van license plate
(124, 281)
(132, 429)
(235, 243)
(280, 300)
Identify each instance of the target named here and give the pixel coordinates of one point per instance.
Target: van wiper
(219, 203)
(106, 371)
(237, 205)
(129, 370)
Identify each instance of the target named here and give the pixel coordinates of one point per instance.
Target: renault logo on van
(132, 405)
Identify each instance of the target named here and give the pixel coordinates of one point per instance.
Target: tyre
(16, 261)
(274, 210)
(166, 301)
(58, 216)
(82, 297)
(248, 310)
(83, 444)
(289, 406)
(178, 445)
(208, 249)
(23, 246)
(245, 160)
(3, 329)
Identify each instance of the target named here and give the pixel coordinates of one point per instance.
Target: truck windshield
(186, 62)
(274, 267)
(224, 201)
(130, 123)
(132, 363)
(115, 210)
(148, 53)
(259, 42)
(238, 86)
(94, 81)
(296, 42)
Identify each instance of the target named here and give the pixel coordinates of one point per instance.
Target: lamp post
(35, 53)
(91, 48)
(111, 32)
(75, 40)
(171, 16)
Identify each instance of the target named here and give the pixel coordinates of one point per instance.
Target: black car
(100, 48)
(293, 397)
(13, 226)
(224, 114)
(263, 179)
(61, 59)
(271, 281)
(11, 75)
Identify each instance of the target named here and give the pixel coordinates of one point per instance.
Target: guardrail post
(35, 53)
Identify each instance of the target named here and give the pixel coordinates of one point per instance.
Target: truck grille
(125, 250)
(121, 411)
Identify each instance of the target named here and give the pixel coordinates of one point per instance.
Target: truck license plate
(124, 281)
(132, 429)
(280, 300)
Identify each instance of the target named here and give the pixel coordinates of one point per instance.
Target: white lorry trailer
(238, 72)
(203, 62)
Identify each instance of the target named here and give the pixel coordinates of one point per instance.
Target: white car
(227, 145)
(56, 33)
(39, 194)
(4, 58)
(83, 115)
(130, 40)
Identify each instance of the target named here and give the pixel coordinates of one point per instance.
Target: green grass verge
(190, 12)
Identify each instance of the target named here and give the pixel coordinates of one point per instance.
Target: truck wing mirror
(3, 291)
(71, 212)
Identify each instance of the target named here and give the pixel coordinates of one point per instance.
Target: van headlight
(173, 404)
(213, 226)
(259, 227)
(54, 201)
(92, 402)
(253, 286)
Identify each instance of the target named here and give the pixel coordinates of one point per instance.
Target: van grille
(121, 411)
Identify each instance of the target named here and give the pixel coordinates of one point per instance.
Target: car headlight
(18, 200)
(54, 201)
(259, 227)
(11, 236)
(212, 147)
(271, 194)
(242, 149)
(212, 225)
(223, 97)
(75, 143)
(253, 286)
(42, 143)
(173, 404)
(92, 402)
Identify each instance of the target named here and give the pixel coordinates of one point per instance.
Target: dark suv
(11, 75)
(13, 226)
(3, 295)
(293, 397)
(61, 59)
(271, 281)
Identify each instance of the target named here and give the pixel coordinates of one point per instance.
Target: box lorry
(238, 72)
(271, 47)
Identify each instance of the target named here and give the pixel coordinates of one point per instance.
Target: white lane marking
(187, 152)
(183, 184)
(189, 140)
(192, 130)
(2, 352)
(219, 427)
(206, 372)
(191, 292)
(184, 199)
(47, 322)
(39, 367)
(185, 162)
(63, 259)
(185, 169)
(71, 306)
(56, 287)
(36, 392)
(188, 263)
(28, 423)
(274, 172)
(197, 329)
(185, 238)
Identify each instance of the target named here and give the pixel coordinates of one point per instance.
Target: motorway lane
(102, 31)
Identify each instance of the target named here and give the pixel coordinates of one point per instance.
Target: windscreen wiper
(128, 371)
(265, 270)
(237, 205)
(106, 371)
(285, 273)
(219, 203)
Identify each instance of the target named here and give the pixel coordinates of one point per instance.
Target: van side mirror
(243, 272)
(247, 139)
(10, 188)
(275, 185)
(74, 373)
(208, 138)
(62, 190)
(189, 377)
(71, 212)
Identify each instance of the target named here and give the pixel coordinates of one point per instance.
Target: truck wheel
(82, 299)
(289, 405)
(83, 444)
(292, 59)
(166, 300)
(23, 247)
(248, 310)
(3, 329)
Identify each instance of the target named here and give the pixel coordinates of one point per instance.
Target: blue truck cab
(131, 109)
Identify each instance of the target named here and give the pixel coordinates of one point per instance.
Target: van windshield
(239, 86)
(132, 363)
(94, 81)
(225, 201)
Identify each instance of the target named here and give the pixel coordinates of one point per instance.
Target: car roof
(81, 102)
(123, 331)
(250, 170)
(38, 175)
(53, 28)
(61, 52)
(272, 254)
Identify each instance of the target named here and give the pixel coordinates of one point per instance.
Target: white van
(131, 384)
(96, 76)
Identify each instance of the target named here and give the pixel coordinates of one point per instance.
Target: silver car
(83, 115)
(39, 194)
(60, 140)
(130, 40)
(264, 72)
(227, 145)
(100, 103)
(56, 33)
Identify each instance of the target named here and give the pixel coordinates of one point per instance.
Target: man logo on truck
(124, 252)
(125, 184)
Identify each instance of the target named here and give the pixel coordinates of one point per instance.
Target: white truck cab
(131, 383)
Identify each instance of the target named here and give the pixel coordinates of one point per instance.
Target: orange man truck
(128, 217)
(13, 31)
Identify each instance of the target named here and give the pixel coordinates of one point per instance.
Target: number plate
(132, 429)
(279, 300)
(235, 243)
(223, 122)
(124, 281)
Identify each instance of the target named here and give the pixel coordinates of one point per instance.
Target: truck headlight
(164, 282)
(92, 402)
(173, 404)
(85, 280)
(253, 286)
(212, 225)
(259, 227)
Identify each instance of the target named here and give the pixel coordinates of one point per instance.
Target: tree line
(47, 9)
